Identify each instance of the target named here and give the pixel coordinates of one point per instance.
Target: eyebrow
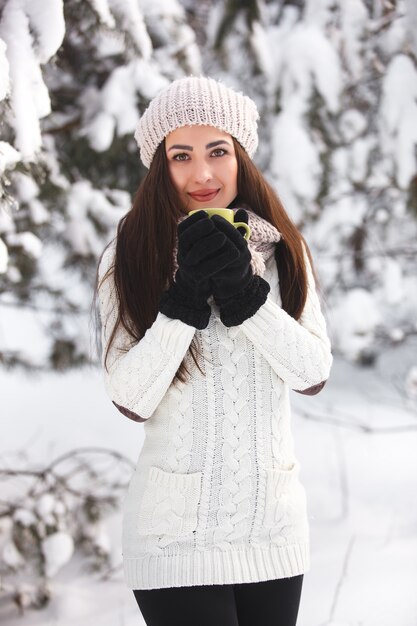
(209, 145)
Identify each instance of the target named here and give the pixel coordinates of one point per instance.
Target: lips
(204, 195)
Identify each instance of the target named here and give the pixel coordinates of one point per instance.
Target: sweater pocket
(168, 511)
(285, 518)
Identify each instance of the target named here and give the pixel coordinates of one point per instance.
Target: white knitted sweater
(216, 496)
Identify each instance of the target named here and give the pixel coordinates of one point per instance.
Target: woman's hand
(235, 276)
(203, 250)
(236, 290)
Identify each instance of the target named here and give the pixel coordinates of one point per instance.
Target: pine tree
(335, 84)
(64, 193)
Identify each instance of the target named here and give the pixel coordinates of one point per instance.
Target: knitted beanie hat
(197, 101)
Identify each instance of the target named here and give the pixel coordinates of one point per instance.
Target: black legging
(268, 603)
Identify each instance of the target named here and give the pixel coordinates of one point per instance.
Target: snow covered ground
(356, 443)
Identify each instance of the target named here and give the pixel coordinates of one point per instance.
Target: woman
(204, 334)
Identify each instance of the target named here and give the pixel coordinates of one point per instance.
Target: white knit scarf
(261, 244)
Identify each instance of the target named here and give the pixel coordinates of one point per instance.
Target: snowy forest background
(335, 82)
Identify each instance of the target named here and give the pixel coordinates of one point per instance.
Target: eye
(180, 154)
(219, 150)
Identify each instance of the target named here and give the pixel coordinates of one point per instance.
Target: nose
(202, 171)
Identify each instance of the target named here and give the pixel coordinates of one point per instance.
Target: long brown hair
(143, 264)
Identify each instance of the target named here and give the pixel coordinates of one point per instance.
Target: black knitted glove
(236, 290)
(202, 251)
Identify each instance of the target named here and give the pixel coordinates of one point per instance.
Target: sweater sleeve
(299, 351)
(138, 373)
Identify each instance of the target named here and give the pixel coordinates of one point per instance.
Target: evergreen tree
(69, 175)
(335, 84)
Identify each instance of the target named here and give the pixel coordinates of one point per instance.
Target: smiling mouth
(204, 196)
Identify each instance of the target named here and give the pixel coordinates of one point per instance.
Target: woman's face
(203, 166)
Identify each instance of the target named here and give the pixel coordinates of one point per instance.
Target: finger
(230, 231)
(192, 220)
(241, 216)
(223, 225)
(217, 249)
(206, 247)
(198, 230)
(210, 266)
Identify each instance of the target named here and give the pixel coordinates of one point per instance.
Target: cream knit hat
(197, 100)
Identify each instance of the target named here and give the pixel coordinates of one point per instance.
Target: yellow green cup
(228, 215)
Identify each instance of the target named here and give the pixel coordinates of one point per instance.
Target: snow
(113, 109)
(411, 382)
(268, 54)
(38, 213)
(108, 43)
(170, 9)
(118, 104)
(354, 321)
(11, 555)
(20, 23)
(27, 188)
(304, 61)
(354, 18)
(47, 21)
(98, 534)
(294, 151)
(4, 257)
(57, 549)
(24, 517)
(322, 68)
(22, 330)
(100, 131)
(309, 60)
(394, 291)
(45, 505)
(84, 201)
(399, 118)
(261, 47)
(4, 71)
(30, 243)
(28, 191)
(9, 156)
(351, 124)
(317, 12)
(29, 95)
(392, 38)
(131, 20)
(103, 11)
(359, 159)
(167, 22)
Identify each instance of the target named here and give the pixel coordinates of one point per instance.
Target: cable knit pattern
(169, 506)
(298, 351)
(216, 496)
(236, 472)
(139, 378)
(180, 430)
(276, 426)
